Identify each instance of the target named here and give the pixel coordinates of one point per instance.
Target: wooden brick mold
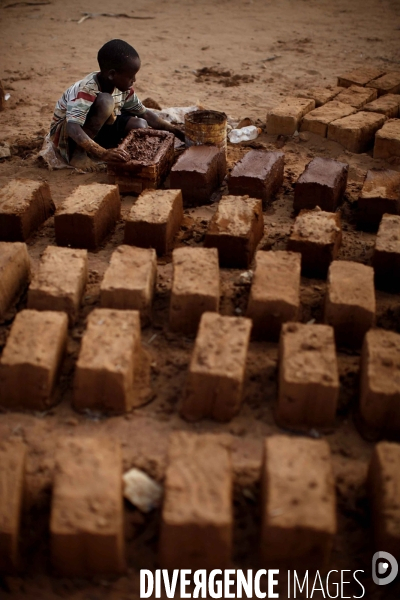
(31, 359)
(217, 368)
(24, 206)
(87, 215)
(308, 376)
(152, 156)
(86, 525)
(15, 273)
(197, 515)
(298, 507)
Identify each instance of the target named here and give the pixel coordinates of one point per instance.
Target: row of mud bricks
(115, 379)
(298, 504)
(360, 112)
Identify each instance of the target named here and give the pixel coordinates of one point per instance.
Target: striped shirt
(75, 103)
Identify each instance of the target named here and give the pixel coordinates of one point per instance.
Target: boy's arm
(157, 123)
(75, 131)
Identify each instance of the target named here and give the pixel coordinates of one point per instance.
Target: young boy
(95, 114)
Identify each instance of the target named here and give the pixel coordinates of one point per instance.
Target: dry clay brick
(197, 514)
(298, 508)
(258, 174)
(60, 281)
(317, 120)
(317, 235)
(322, 183)
(357, 96)
(285, 118)
(388, 105)
(15, 273)
(109, 363)
(356, 132)
(380, 194)
(359, 77)
(235, 229)
(87, 215)
(24, 206)
(216, 373)
(308, 376)
(383, 485)
(386, 257)
(86, 524)
(275, 292)
(154, 220)
(387, 140)
(387, 84)
(321, 95)
(129, 280)
(380, 381)
(197, 173)
(350, 301)
(195, 287)
(12, 475)
(31, 359)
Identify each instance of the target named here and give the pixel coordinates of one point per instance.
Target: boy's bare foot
(83, 162)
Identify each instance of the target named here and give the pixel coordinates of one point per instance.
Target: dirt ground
(274, 47)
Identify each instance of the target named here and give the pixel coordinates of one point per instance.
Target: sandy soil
(273, 47)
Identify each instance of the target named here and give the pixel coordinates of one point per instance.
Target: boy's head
(119, 62)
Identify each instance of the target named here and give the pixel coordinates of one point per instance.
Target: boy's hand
(178, 133)
(115, 155)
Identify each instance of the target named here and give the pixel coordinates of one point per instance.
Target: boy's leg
(100, 111)
(134, 123)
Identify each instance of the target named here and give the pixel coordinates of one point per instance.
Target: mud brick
(380, 381)
(356, 132)
(154, 220)
(24, 206)
(32, 358)
(383, 486)
(12, 475)
(386, 258)
(86, 524)
(320, 95)
(357, 96)
(197, 173)
(350, 301)
(109, 362)
(275, 292)
(317, 235)
(235, 229)
(308, 376)
(322, 184)
(60, 281)
(85, 218)
(387, 140)
(380, 194)
(298, 509)
(129, 280)
(388, 105)
(317, 120)
(215, 383)
(285, 118)
(15, 273)
(258, 174)
(197, 515)
(387, 84)
(195, 287)
(359, 77)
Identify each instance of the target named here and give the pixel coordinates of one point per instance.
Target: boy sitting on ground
(94, 115)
